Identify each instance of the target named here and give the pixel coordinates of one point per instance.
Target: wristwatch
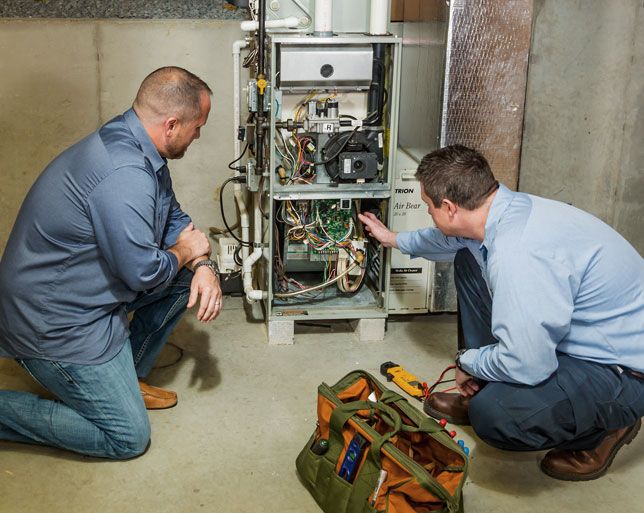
(457, 359)
(210, 264)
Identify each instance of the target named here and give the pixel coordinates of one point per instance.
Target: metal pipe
(261, 38)
(261, 88)
(376, 98)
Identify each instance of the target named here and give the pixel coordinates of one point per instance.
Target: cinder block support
(370, 330)
(281, 332)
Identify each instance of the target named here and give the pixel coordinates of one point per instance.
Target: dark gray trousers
(573, 409)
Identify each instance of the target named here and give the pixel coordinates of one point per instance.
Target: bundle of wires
(308, 227)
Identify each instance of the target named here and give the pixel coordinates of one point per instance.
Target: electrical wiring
(223, 214)
(305, 224)
(230, 165)
(317, 287)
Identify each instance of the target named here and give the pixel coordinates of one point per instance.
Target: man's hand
(205, 284)
(191, 243)
(466, 384)
(378, 230)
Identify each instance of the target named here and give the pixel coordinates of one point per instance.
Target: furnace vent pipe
(378, 19)
(323, 18)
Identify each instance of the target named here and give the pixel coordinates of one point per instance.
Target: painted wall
(61, 79)
(583, 140)
(584, 127)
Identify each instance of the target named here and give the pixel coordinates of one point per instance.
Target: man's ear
(169, 126)
(452, 208)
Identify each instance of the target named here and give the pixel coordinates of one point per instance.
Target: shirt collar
(150, 151)
(500, 203)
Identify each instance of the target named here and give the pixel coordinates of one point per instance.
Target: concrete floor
(246, 409)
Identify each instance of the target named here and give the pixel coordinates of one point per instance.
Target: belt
(638, 375)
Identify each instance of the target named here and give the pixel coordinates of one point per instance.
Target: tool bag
(373, 452)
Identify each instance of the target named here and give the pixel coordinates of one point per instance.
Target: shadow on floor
(188, 346)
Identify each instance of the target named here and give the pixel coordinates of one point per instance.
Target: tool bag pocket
(382, 455)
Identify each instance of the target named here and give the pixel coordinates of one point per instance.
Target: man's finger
(219, 305)
(213, 308)
(203, 304)
(194, 294)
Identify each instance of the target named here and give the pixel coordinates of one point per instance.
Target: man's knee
(131, 441)
(497, 426)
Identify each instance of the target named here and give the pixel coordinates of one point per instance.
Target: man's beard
(175, 151)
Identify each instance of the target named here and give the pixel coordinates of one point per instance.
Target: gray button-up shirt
(92, 233)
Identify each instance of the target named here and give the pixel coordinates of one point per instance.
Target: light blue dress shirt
(92, 234)
(560, 280)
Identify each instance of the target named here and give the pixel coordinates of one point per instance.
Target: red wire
(429, 390)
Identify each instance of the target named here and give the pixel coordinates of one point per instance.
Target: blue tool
(352, 458)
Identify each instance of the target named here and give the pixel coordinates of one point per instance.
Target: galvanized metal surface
(305, 67)
(485, 83)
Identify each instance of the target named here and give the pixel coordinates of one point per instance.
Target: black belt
(638, 375)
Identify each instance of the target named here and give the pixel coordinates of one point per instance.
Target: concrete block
(281, 332)
(370, 330)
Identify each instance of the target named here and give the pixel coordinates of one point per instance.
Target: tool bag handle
(341, 414)
(425, 424)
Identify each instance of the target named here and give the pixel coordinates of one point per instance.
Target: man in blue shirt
(99, 235)
(551, 301)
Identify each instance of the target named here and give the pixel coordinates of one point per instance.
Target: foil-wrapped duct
(488, 44)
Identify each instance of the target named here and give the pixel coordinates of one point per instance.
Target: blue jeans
(99, 411)
(573, 409)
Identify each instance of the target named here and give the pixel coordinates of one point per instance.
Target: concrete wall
(61, 79)
(583, 141)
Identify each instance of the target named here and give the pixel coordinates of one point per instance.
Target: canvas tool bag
(424, 469)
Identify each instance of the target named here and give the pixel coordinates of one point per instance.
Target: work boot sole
(152, 406)
(628, 437)
(438, 415)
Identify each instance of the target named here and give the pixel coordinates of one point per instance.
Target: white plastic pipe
(290, 22)
(252, 294)
(323, 18)
(378, 19)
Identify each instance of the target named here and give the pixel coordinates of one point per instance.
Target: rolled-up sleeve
(531, 314)
(431, 244)
(122, 212)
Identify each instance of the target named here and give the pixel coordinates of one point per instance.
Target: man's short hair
(456, 173)
(171, 91)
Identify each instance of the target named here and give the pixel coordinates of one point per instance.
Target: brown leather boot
(156, 398)
(451, 407)
(591, 463)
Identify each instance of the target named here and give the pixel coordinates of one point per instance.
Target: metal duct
(488, 44)
(480, 67)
